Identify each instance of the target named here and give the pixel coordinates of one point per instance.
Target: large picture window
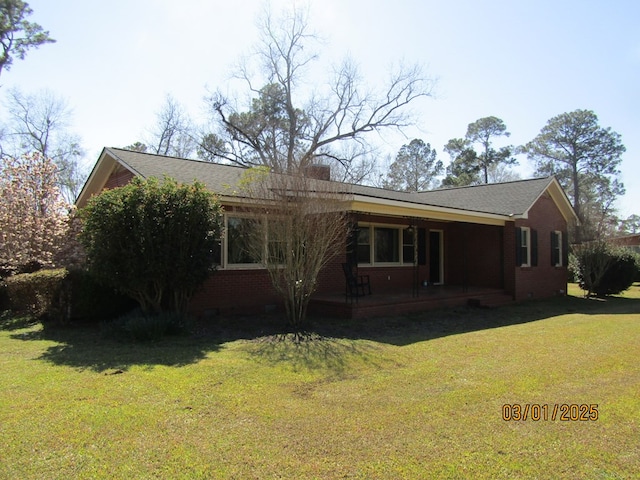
(240, 233)
(386, 245)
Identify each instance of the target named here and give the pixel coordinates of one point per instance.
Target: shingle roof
(216, 177)
(505, 199)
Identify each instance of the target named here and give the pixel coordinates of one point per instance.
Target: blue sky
(522, 61)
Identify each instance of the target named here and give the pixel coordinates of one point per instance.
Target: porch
(400, 303)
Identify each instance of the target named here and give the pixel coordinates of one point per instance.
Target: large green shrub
(605, 270)
(153, 241)
(620, 275)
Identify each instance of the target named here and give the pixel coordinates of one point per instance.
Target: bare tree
(301, 226)
(499, 172)
(288, 124)
(39, 123)
(173, 133)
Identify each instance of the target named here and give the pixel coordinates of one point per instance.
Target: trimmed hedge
(61, 296)
(42, 294)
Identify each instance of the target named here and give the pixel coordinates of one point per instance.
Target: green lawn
(411, 397)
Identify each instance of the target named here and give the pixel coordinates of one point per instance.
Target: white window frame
(372, 262)
(525, 242)
(558, 235)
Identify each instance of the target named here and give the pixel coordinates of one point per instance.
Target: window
(526, 247)
(277, 231)
(386, 245)
(525, 250)
(556, 249)
(364, 245)
(407, 245)
(240, 233)
(217, 253)
(382, 244)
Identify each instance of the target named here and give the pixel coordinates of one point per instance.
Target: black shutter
(422, 246)
(534, 248)
(518, 246)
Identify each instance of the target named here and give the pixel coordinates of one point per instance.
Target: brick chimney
(317, 171)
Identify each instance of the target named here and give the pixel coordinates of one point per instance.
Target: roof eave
(561, 200)
(398, 208)
(100, 175)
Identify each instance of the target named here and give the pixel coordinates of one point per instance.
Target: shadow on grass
(429, 325)
(330, 344)
(312, 351)
(84, 347)
(10, 322)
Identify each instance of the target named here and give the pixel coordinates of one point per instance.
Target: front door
(436, 258)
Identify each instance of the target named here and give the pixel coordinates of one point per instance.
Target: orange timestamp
(563, 412)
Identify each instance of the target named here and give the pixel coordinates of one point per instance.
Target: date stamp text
(544, 412)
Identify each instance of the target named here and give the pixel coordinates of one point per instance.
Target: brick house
(631, 242)
(505, 241)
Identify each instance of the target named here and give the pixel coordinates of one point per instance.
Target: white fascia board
(397, 208)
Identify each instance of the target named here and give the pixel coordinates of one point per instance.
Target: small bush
(139, 327)
(573, 270)
(42, 294)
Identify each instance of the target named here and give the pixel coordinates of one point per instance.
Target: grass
(411, 397)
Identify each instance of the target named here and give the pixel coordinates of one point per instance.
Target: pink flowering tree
(34, 217)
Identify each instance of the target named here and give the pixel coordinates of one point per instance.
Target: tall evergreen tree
(17, 35)
(468, 166)
(415, 168)
(585, 158)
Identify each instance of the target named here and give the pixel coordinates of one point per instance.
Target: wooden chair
(356, 285)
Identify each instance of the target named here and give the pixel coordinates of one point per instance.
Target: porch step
(400, 304)
(492, 300)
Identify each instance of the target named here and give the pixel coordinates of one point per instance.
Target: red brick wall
(474, 255)
(543, 280)
(235, 292)
(628, 241)
(118, 178)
